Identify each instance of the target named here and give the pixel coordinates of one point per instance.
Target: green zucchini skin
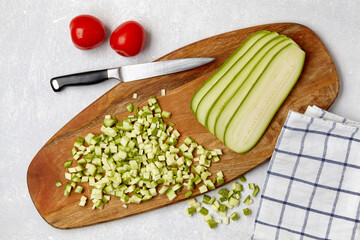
(223, 69)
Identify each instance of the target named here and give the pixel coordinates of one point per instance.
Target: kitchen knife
(129, 73)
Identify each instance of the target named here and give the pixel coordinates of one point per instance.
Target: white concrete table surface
(35, 46)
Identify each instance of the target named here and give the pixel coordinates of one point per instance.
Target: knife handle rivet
(55, 84)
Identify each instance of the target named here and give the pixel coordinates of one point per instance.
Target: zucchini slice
(229, 108)
(237, 82)
(224, 67)
(214, 92)
(253, 116)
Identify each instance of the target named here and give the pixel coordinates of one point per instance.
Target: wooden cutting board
(318, 85)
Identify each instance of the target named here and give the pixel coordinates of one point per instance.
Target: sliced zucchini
(255, 113)
(223, 69)
(214, 92)
(237, 82)
(229, 108)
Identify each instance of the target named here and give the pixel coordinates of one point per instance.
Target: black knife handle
(84, 78)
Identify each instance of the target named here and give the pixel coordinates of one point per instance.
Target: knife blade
(129, 73)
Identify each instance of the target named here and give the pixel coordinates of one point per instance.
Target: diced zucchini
(206, 199)
(163, 92)
(130, 107)
(188, 194)
(83, 201)
(78, 189)
(203, 189)
(211, 223)
(246, 211)
(133, 157)
(234, 216)
(223, 192)
(248, 200)
(204, 211)
(190, 211)
(58, 183)
(242, 178)
(67, 164)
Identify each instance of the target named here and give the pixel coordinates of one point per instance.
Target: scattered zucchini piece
(207, 218)
(248, 200)
(83, 200)
(222, 210)
(206, 199)
(67, 164)
(190, 211)
(78, 189)
(68, 188)
(165, 114)
(203, 189)
(204, 211)
(234, 216)
(188, 194)
(79, 142)
(58, 183)
(256, 191)
(130, 107)
(223, 192)
(242, 178)
(163, 92)
(211, 223)
(246, 211)
(234, 202)
(219, 180)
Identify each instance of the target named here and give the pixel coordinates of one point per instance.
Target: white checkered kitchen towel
(312, 187)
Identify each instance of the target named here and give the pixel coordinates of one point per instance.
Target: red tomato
(87, 32)
(128, 39)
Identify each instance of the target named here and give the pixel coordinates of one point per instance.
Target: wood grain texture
(317, 85)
